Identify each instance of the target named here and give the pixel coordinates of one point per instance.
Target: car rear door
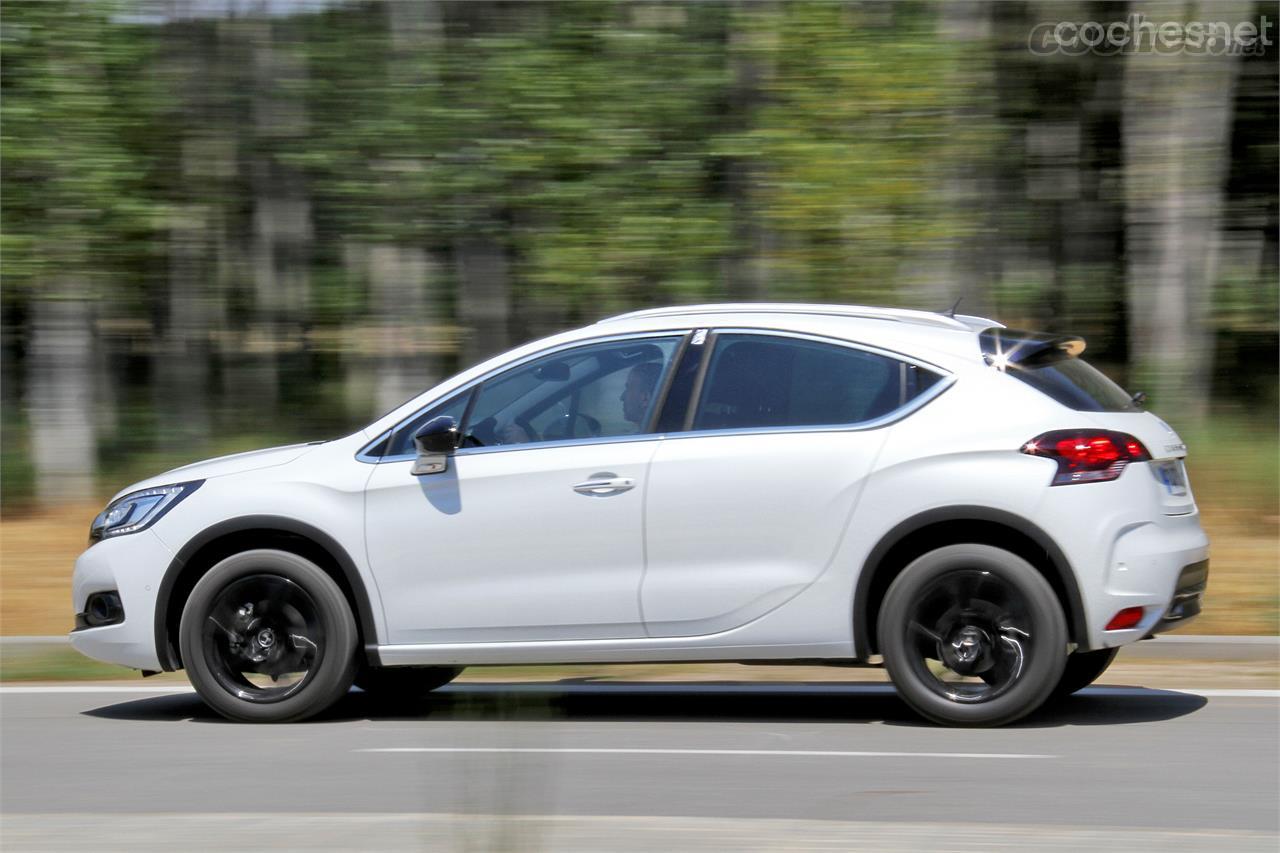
(748, 503)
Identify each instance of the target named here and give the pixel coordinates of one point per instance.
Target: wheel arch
(936, 528)
(204, 550)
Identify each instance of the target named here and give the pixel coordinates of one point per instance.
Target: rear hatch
(1052, 365)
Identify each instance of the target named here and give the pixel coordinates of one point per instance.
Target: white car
(974, 506)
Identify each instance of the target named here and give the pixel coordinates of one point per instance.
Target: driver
(638, 393)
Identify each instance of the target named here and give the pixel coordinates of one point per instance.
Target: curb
(1164, 647)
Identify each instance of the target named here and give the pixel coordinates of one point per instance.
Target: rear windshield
(1071, 381)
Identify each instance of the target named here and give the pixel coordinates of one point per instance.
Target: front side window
(596, 391)
(766, 381)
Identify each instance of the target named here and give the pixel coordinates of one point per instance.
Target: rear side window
(767, 381)
(1051, 366)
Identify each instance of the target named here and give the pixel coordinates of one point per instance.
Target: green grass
(55, 663)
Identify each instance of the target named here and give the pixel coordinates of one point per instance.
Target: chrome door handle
(605, 484)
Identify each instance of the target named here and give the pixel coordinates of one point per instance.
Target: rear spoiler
(1004, 347)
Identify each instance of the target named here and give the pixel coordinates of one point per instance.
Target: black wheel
(972, 636)
(391, 683)
(267, 637)
(1083, 668)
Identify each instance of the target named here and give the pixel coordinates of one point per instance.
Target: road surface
(677, 766)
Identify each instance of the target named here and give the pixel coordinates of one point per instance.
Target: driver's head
(636, 396)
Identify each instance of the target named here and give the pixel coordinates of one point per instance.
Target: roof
(897, 315)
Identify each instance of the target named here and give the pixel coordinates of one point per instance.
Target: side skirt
(643, 650)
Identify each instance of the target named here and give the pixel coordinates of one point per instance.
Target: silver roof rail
(900, 315)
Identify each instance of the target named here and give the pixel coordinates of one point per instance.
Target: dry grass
(37, 551)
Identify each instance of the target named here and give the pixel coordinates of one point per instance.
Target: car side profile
(974, 507)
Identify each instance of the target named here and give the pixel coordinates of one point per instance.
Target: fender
(268, 523)
(1065, 578)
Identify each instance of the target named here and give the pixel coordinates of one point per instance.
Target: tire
(1082, 669)
(404, 683)
(267, 637)
(972, 635)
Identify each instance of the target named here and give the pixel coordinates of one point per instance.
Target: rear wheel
(972, 635)
(266, 637)
(404, 682)
(1083, 668)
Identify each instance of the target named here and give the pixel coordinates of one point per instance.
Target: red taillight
(1127, 618)
(1087, 456)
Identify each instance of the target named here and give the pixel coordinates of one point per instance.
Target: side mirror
(436, 442)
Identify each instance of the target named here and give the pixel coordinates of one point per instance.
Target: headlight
(138, 510)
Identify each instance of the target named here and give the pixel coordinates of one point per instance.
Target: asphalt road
(677, 766)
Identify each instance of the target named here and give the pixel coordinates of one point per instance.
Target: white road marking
(821, 753)
(95, 688)
(665, 687)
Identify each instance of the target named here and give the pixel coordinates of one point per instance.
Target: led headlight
(138, 510)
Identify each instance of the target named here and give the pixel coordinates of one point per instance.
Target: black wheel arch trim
(165, 649)
(1077, 624)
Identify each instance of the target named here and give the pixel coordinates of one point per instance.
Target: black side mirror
(1140, 398)
(437, 439)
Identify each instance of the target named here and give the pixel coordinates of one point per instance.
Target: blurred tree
(75, 214)
(1178, 114)
(228, 221)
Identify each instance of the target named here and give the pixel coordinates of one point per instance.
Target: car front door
(748, 505)
(534, 531)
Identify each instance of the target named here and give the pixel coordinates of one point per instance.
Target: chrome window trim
(947, 379)
(842, 342)
(862, 426)
(363, 454)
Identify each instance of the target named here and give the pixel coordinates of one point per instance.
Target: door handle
(604, 485)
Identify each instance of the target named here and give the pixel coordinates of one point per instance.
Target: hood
(235, 463)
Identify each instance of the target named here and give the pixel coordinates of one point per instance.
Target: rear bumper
(1188, 596)
(1159, 567)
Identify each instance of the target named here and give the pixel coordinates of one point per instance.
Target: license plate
(1171, 476)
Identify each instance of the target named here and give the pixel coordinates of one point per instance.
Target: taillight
(1087, 455)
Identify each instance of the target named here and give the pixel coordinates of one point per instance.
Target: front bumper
(131, 566)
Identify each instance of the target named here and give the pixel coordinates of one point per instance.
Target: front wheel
(267, 637)
(972, 635)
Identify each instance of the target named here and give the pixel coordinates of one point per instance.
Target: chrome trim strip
(827, 339)
(876, 423)
(502, 448)
(363, 456)
(947, 379)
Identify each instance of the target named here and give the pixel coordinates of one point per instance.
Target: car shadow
(575, 699)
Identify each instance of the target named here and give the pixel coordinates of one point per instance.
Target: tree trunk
(282, 234)
(1177, 120)
(746, 269)
(399, 291)
(60, 394)
(484, 295)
